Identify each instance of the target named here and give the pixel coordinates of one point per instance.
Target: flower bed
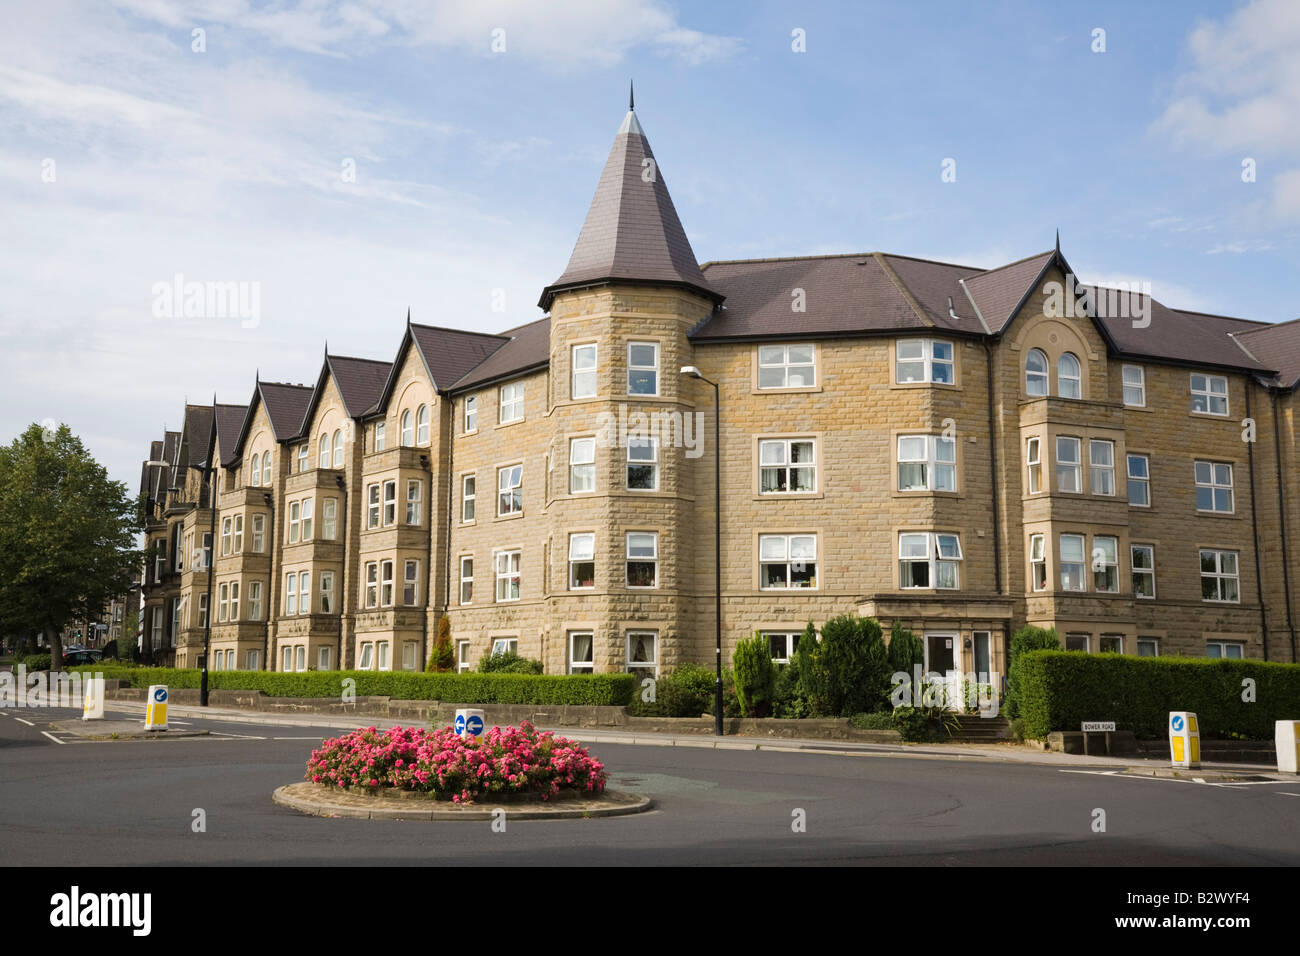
(510, 760)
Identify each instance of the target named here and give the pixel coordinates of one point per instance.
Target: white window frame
(338, 448)
(329, 518)
(227, 530)
(1221, 648)
(511, 403)
(390, 502)
(789, 641)
(304, 457)
(644, 551)
(266, 469)
(462, 656)
(927, 360)
(1135, 386)
(468, 496)
(286, 659)
(373, 509)
(406, 429)
(1145, 572)
(259, 533)
(469, 423)
(1074, 380)
(1208, 395)
(304, 592)
(1101, 475)
(295, 521)
(234, 600)
(582, 550)
(238, 545)
(223, 602)
(366, 661)
(1066, 565)
(414, 501)
(770, 554)
(253, 661)
(327, 592)
(587, 666)
(652, 369)
(254, 600)
(291, 593)
(504, 645)
(381, 436)
(307, 508)
(410, 655)
(370, 585)
(1153, 641)
(583, 371)
(784, 363)
(933, 558)
(466, 579)
(1034, 463)
(1214, 486)
(382, 656)
(638, 444)
(775, 455)
(323, 454)
(646, 668)
(300, 657)
(386, 583)
(1043, 375)
(510, 490)
(323, 656)
(410, 582)
(1075, 466)
(422, 426)
(508, 567)
(1219, 575)
(929, 461)
(1106, 563)
(1139, 481)
(1038, 562)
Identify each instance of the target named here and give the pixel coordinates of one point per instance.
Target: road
(133, 802)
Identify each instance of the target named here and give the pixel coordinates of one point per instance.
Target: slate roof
(230, 420)
(631, 232)
(359, 381)
(450, 354)
(196, 432)
(285, 406)
(529, 347)
(1279, 346)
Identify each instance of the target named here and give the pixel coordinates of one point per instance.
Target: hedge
(1061, 689)
(471, 688)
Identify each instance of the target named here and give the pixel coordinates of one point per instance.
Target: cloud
(1241, 246)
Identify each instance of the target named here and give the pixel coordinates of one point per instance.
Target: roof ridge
(1263, 325)
(906, 293)
(847, 255)
(1216, 315)
(446, 328)
(1020, 261)
(358, 358)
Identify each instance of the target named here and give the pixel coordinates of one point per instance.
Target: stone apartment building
(963, 450)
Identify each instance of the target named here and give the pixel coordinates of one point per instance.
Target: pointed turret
(632, 234)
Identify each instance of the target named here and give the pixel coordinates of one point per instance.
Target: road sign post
(469, 724)
(1184, 740)
(94, 706)
(155, 708)
(1286, 736)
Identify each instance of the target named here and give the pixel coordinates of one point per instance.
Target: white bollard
(155, 708)
(1286, 737)
(1184, 739)
(469, 724)
(94, 706)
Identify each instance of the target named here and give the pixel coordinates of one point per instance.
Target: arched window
(422, 425)
(407, 434)
(338, 448)
(1035, 373)
(1069, 384)
(266, 468)
(255, 471)
(324, 451)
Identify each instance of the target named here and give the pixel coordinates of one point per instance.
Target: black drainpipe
(342, 590)
(993, 471)
(451, 501)
(270, 583)
(1281, 515)
(1254, 526)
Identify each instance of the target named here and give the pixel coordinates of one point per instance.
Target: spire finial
(631, 96)
(1058, 241)
(408, 315)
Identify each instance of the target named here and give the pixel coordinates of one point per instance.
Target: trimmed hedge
(471, 688)
(1061, 689)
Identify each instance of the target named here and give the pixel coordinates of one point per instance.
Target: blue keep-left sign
(160, 695)
(460, 723)
(474, 725)
(1177, 722)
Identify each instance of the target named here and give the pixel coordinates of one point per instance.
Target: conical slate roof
(632, 233)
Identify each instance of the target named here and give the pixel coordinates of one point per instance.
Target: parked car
(82, 656)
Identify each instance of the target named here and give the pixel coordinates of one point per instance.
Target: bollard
(94, 706)
(155, 708)
(1184, 739)
(1286, 737)
(469, 724)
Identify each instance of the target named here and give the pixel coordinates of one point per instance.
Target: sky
(344, 162)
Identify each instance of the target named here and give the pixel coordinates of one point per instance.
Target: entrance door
(941, 649)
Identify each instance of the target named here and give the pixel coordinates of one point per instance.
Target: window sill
(801, 390)
(1217, 514)
(927, 494)
(1213, 416)
(510, 517)
(517, 421)
(945, 386)
(789, 495)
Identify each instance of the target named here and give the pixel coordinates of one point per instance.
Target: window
(927, 463)
(1077, 642)
(372, 584)
(227, 524)
(385, 583)
(512, 403)
(1072, 563)
(1139, 481)
(157, 621)
(329, 518)
(390, 503)
(1111, 644)
(1101, 467)
(300, 656)
(239, 534)
(1033, 459)
(642, 653)
(1148, 647)
(923, 360)
(410, 652)
(467, 498)
(413, 501)
(304, 592)
(291, 594)
(259, 533)
(255, 472)
(642, 464)
(783, 644)
(406, 429)
(466, 580)
(302, 457)
(410, 583)
(367, 656)
(1035, 374)
(1069, 472)
(381, 655)
(307, 507)
(286, 659)
(582, 465)
(581, 652)
(322, 658)
(510, 496)
(584, 371)
(462, 656)
(643, 368)
(218, 660)
(642, 559)
(1069, 380)
(1037, 562)
(223, 602)
(372, 509)
(786, 366)
(234, 600)
(253, 660)
(582, 561)
(471, 413)
(1232, 650)
(255, 601)
(787, 466)
(1209, 394)
(1213, 487)
(295, 521)
(422, 425)
(266, 468)
(381, 437)
(203, 610)
(1105, 564)
(504, 645)
(1135, 386)
(1142, 558)
(929, 560)
(159, 559)
(327, 592)
(508, 576)
(1219, 580)
(338, 448)
(787, 561)
(324, 457)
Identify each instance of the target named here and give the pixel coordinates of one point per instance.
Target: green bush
(688, 691)
(508, 662)
(442, 658)
(923, 724)
(905, 650)
(591, 689)
(1061, 689)
(35, 662)
(788, 700)
(877, 720)
(849, 668)
(1022, 641)
(755, 677)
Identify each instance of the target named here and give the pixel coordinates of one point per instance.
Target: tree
(755, 676)
(1024, 640)
(67, 535)
(905, 649)
(443, 657)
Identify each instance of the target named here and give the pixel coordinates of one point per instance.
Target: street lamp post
(209, 556)
(693, 372)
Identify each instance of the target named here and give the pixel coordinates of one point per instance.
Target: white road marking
(1288, 793)
(27, 722)
(214, 733)
(317, 737)
(52, 737)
